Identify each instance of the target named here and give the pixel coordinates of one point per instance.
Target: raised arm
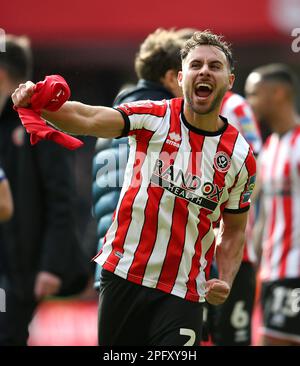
(75, 117)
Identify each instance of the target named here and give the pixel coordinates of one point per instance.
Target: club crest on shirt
(222, 162)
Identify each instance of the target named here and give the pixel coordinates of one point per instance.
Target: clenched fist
(22, 95)
(217, 291)
(46, 284)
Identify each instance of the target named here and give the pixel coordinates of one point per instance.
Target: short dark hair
(279, 73)
(200, 38)
(159, 53)
(17, 58)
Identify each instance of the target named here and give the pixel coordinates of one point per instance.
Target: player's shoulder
(241, 147)
(153, 107)
(233, 131)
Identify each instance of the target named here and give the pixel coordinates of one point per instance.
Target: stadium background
(93, 43)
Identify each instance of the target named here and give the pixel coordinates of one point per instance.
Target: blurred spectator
(42, 256)
(6, 208)
(271, 90)
(156, 64)
(6, 201)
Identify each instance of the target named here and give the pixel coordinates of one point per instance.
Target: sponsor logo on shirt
(186, 185)
(173, 139)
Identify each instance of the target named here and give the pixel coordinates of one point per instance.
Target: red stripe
(150, 227)
(125, 211)
(180, 217)
(226, 144)
(223, 205)
(176, 244)
(153, 108)
(287, 210)
(239, 111)
(196, 142)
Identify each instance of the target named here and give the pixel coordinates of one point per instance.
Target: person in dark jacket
(41, 252)
(156, 64)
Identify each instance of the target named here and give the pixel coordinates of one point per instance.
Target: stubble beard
(213, 106)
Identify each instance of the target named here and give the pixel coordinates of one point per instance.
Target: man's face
(205, 78)
(260, 96)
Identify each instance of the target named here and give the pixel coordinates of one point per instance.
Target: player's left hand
(217, 291)
(46, 284)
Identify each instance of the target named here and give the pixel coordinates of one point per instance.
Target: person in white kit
(271, 91)
(188, 168)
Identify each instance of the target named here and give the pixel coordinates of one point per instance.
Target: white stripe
(280, 219)
(267, 159)
(147, 121)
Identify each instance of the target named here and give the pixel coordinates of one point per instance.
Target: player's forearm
(73, 117)
(258, 233)
(82, 119)
(229, 256)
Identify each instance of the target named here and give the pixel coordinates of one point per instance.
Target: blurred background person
(6, 201)
(41, 252)
(271, 91)
(156, 65)
(6, 209)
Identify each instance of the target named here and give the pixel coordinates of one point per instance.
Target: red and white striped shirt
(280, 179)
(239, 113)
(178, 181)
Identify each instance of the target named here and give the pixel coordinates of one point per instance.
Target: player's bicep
(109, 123)
(233, 223)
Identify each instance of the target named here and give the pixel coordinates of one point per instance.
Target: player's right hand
(22, 95)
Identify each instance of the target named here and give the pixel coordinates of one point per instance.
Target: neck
(207, 122)
(284, 120)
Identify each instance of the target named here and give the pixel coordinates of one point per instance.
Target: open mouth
(203, 90)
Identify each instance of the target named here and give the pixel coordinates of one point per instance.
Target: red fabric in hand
(49, 94)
